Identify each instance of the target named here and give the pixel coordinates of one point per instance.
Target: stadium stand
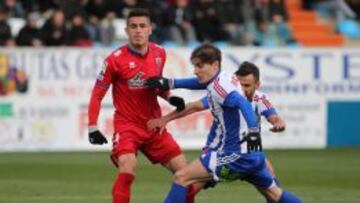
(266, 23)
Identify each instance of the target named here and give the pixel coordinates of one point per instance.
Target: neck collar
(214, 77)
(137, 53)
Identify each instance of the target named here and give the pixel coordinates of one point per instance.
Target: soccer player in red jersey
(126, 69)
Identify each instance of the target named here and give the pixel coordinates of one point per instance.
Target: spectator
(261, 10)
(232, 20)
(265, 35)
(107, 29)
(54, 31)
(277, 7)
(72, 8)
(15, 8)
(123, 7)
(282, 33)
(179, 22)
(5, 31)
(30, 34)
(97, 9)
(79, 35)
(207, 22)
(41, 6)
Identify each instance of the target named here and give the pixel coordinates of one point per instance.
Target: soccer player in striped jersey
(248, 76)
(230, 155)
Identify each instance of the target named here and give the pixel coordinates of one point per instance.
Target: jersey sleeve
(188, 83)
(165, 94)
(265, 106)
(221, 88)
(205, 102)
(228, 94)
(99, 90)
(235, 100)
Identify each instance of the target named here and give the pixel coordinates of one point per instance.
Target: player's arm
(165, 84)
(253, 139)
(190, 108)
(269, 112)
(279, 124)
(99, 90)
(234, 99)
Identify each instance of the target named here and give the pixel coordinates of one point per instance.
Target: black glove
(253, 140)
(160, 83)
(96, 137)
(178, 102)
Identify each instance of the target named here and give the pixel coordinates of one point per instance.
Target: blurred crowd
(178, 22)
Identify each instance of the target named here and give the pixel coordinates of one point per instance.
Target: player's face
(205, 71)
(138, 30)
(249, 84)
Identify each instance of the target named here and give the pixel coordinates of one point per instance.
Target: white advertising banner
(51, 113)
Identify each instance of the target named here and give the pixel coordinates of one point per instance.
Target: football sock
(121, 188)
(177, 194)
(287, 197)
(192, 191)
(278, 184)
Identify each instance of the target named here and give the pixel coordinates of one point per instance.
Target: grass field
(317, 176)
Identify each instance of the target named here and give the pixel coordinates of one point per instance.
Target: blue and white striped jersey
(225, 131)
(262, 107)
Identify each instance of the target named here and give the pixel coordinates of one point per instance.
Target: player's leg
(272, 171)
(264, 181)
(177, 163)
(276, 194)
(164, 149)
(124, 157)
(193, 173)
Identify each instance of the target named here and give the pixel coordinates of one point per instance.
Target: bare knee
(180, 177)
(127, 163)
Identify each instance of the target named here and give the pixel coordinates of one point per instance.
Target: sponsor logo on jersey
(137, 82)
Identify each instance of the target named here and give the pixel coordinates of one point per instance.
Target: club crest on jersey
(132, 65)
(158, 62)
(136, 82)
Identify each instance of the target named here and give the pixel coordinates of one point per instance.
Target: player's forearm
(274, 119)
(190, 108)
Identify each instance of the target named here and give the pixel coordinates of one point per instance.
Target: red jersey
(127, 71)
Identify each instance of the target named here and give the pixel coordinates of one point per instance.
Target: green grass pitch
(317, 176)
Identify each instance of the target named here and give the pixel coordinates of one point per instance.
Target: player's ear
(126, 31)
(150, 29)
(258, 83)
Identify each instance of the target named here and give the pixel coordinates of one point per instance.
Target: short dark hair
(207, 53)
(248, 68)
(138, 12)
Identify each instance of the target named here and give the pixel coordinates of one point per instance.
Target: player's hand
(160, 83)
(97, 138)
(156, 124)
(253, 140)
(278, 127)
(178, 102)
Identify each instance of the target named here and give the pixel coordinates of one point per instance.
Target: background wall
(316, 91)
